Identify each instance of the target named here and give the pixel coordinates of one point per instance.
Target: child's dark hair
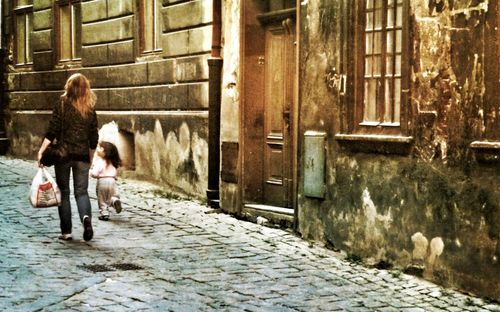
(111, 153)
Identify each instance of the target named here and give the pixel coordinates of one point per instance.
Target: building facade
(371, 126)
(147, 66)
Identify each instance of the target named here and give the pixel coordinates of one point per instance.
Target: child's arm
(96, 168)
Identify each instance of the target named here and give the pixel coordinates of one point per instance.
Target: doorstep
(277, 215)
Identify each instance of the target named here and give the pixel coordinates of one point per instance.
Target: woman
(74, 122)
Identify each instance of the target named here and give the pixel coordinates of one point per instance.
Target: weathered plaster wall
(435, 208)
(231, 80)
(172, 150)
(230, 112)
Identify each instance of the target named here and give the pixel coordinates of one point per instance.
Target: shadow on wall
(124, 142)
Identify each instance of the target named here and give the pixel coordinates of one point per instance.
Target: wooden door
(278, 105)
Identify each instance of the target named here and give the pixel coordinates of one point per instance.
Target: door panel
(279, 84)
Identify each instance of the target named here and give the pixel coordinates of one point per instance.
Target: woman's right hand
(45, 144)
(39, 159)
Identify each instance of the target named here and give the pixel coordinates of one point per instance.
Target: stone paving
(163, 254)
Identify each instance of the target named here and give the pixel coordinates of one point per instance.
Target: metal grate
(95, 268)
(126, 266)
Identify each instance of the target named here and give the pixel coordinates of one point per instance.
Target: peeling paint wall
(175, 157)
(230, 106)
(231, 81)
(432, 209)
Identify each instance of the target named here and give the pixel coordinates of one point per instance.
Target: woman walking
(74, 122)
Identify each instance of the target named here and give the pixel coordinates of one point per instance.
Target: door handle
(286, 115)
(286, 119)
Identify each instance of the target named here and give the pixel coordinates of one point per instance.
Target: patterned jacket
(78, 133)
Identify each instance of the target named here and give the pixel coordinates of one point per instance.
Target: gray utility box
(314, 164)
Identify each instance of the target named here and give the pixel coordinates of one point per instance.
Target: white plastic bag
(44, 190)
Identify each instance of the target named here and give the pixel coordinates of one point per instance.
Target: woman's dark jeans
(80, 187)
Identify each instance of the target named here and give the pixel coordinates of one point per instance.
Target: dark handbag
(55, 153)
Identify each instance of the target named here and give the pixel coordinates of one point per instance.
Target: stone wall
(160, 98)
(432, 206)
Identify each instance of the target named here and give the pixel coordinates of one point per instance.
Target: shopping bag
(44, 190)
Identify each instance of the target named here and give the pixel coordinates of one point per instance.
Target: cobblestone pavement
(162, 254)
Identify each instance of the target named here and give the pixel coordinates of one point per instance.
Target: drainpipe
(214, 103)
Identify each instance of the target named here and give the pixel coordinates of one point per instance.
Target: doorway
(269, 101)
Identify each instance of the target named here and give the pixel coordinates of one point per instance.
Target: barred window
(380, 68)
(383, 35)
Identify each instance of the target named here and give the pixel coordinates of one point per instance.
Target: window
(69, 30)
(23, 19)
(380, 74)
(150, 28)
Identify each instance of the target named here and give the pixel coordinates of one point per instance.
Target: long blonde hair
(77, 91)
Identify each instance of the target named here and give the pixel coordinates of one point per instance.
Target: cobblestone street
(164, 254)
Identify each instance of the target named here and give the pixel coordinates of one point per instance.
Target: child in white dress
(104, 169)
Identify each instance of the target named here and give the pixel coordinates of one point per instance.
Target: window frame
(25, 10)
(156, 29)
(357, 124)
(75, 37)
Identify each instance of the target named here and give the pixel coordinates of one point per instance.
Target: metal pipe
(214, 104)
(216, 28)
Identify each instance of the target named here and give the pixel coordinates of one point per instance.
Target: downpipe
(214, 107)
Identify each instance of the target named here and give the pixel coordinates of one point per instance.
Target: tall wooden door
(278, 104)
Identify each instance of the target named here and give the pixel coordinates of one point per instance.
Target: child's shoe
(103, 218)
(118, 205)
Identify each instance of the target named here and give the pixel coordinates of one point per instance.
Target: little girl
(103, 169)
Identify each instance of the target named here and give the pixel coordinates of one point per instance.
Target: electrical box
(314, 164)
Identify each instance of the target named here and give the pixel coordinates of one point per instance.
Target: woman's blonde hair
(77, 91)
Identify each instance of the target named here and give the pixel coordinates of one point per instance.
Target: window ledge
(26, 7)
(68, 64)
(375, 143)
(150, 56)
(24, 67)
(486, 151)
(374, 138)
(485, 145)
